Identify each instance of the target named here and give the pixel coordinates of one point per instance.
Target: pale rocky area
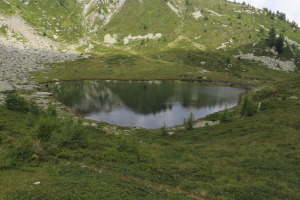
(23, 50)
(150, 36)
(197, 14)
(175, 8)
(223, 46)
(112, 39)
(214, 13)
(99, 11)
(272, 63)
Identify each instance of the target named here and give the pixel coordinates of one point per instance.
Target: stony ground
(23, 50)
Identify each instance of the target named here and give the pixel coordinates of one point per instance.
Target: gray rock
(43, 94)
(5, 86)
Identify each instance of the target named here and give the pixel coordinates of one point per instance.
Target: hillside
(48, 152)
(152, 30)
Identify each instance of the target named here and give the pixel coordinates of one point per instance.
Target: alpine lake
(147, 104)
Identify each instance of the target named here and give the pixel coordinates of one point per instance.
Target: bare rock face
(98, 13)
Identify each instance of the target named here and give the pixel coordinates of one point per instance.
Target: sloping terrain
(46, 152)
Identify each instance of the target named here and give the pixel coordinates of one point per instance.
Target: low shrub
(248, 107)
(46, 128)
(51, 111)
(22, 149)
(189, 122)
(163, 130)
(69, 134)
(18, 103)
(226, 116)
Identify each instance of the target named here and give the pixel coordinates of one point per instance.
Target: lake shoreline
(246, 86)
(202, 98)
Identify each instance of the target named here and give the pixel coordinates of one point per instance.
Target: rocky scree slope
(22, 50)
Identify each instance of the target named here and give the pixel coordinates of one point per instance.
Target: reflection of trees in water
(142, 97)
(86, 96)
(197, 95)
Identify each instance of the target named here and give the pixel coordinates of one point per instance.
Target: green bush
(248, 107)
(33, 107)
(163, 130)
(74, 134)
(17, 103)
(189, 122)
(46, 128)
(30, 121)
(127, 147)
(226, 116)
(67, 133)
(51, 111)
(23, 149)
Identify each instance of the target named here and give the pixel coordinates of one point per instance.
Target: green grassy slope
(133, 17)
(53, 18)
(253, 157)
(249, 158)
(220, 23)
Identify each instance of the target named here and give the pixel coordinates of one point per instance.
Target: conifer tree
(279, 43)
(272, 37)
(248, 107)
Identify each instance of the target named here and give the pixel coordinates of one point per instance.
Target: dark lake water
(147, 104)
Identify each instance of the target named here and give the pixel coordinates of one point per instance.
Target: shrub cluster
(18, 103)
(44, 133)
(189, 122)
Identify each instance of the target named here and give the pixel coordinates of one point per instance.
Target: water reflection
(146, 104)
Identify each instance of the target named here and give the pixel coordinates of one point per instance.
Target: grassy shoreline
(253, 157)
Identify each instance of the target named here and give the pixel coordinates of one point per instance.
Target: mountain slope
(213, 24)
(53, 154)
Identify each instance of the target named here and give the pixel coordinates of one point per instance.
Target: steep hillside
(212, 24)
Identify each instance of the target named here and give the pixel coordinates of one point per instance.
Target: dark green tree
(272, 37)
(279, 43)
(248, 107)
(189, 122)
